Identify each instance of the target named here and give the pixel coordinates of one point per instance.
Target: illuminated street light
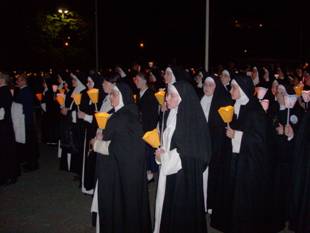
(63, 12)
(141, 45)
(260, 25)
(67, 44)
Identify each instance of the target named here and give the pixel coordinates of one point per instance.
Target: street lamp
(63, 12)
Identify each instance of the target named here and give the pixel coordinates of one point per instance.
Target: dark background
(170, 30)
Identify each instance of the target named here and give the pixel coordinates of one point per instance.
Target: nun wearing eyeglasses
(249, 181)
(183, 157)
(123, 205)
(218, 172)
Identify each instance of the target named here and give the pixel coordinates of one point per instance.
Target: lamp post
(207, 35)
(96, 36)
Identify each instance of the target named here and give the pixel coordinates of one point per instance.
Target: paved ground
(48, 201)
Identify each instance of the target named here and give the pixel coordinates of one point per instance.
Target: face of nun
(274, 88)
(173, 99)
(208, 88)
(90, 83)
(168, 76)
(107, 87)
(225, 79)
(280, 95)
(235, 92)
(74, 82)
(114, 98)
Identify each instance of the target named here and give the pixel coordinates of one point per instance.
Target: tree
(63, 36)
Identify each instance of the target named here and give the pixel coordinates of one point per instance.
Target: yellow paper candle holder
(77, 98)
(298, 89)
(102, 119)
(60, 99)
(152, 138)
(93, 95)
(226, 113)
(160, 96)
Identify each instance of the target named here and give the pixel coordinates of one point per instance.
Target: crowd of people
(250, 173)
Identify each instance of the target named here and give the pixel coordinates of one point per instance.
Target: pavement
(49, 201)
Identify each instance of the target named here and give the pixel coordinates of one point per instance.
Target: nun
(285, 124)
(72, 143)
(86, 114)
(183, 157)
(249, 180)
(300, 189)
(9, 166)
(51, 115)
(214, 98)
(123, 205)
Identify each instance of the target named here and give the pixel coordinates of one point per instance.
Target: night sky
(169, 29)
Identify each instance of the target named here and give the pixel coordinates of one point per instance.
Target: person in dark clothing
(148, 109)
(9, 166)
(250, 171)
(184, 155)
(300, 189)
(214, 98)
(122, 190)
(27, 148)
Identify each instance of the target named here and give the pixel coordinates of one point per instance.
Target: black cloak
(300, 190)
(122, 187)
(9, 166)
(220, 162)
(249, 181)
(183, 207)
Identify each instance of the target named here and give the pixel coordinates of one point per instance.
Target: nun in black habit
(122, 188)
(72, 146)
(249, 180)
(284, 141)
(183, 155)
(300, 195)
(9, 166)
(214, 98)
(89, 124)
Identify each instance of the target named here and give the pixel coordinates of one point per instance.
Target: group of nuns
(251, 175)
